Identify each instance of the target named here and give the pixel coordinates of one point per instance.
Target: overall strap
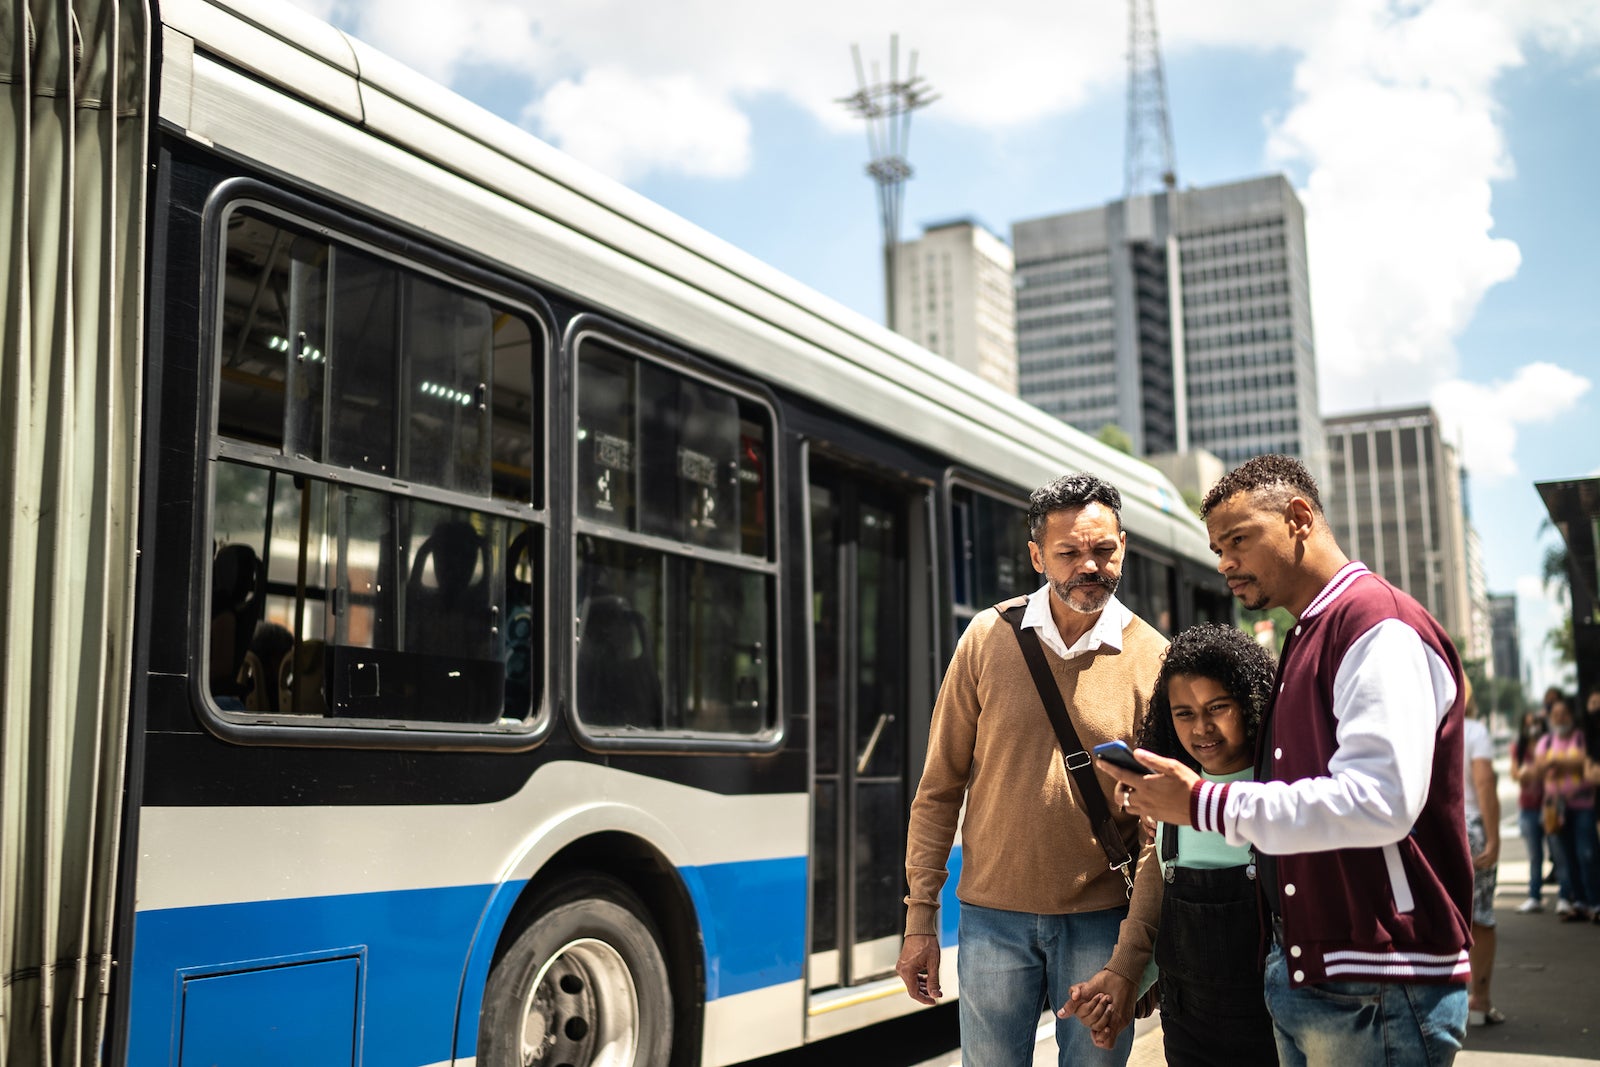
(1079, 766)
(1168, 837)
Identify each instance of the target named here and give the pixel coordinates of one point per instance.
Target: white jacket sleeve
(1390, 694)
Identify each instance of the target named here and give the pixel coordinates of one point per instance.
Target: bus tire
(584, 984)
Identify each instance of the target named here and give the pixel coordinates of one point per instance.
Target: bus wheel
(583, 985)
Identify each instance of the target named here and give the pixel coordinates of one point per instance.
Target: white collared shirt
(1106, 631)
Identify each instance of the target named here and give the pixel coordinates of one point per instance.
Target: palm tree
(1558, 581)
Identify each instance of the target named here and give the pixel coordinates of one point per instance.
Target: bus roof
(441, 163)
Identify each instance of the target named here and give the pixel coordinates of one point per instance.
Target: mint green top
(1205, 849)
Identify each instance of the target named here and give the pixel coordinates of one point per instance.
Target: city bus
(456, 611)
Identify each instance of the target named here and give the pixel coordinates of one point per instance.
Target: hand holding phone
(1118, 754)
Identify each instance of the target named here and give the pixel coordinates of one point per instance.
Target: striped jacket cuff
(1206, 803)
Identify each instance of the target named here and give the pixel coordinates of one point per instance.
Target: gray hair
(1071, 491)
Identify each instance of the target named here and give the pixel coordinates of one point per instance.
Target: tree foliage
(1115, 437)
(1558, 581)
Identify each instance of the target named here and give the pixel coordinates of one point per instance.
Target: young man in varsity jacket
(1364, 874)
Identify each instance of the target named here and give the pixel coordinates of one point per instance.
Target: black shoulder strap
(1079, 766)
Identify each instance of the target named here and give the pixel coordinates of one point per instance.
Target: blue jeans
(1335, 1024)
(1531, 822)
(1014, 965)
(1580, 869)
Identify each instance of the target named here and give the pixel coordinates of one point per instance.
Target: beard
(1261, 598)
(1096, 593)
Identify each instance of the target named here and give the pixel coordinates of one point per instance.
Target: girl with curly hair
(1206, 709)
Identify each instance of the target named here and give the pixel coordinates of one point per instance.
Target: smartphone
(1118, 754)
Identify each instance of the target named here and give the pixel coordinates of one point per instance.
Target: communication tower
(1150, 165)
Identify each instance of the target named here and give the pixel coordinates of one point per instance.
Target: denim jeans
(1014, 965)
(1336, 1024)
(1580, 869)
(1531, 822)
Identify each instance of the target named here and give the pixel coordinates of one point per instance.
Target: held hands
(1489, 856)
(1162, 795)
(918, 967)
(1104, 1004)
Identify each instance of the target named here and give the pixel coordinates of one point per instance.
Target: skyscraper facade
(1505, 646)
(954, 296)
(1183, 317)
(1393, 497)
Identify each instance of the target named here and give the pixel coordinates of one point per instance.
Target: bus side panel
(408, 952)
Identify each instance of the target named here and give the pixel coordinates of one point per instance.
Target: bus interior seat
(258, 677)
(300, 680)
(235, 610)
(450, 615)
(617, 682)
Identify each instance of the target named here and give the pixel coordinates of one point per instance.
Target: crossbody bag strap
(1077, 761)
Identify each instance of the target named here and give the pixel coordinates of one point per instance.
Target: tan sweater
(1026, 844)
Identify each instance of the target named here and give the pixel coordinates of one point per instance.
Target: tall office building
(1183, 317)
(1505, 645)
(1393, 497)
(1477, 584)
(954, 296)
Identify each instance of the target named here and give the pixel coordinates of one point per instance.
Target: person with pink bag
(1569, 816)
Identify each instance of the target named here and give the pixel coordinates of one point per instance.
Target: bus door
(862, 533)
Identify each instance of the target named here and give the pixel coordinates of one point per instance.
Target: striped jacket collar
(1336, 586)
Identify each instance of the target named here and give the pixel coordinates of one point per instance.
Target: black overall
(1212, 1008)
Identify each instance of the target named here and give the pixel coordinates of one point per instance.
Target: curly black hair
(1226, 655)
(1283, 476)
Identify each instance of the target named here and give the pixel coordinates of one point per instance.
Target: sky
(1445, 151)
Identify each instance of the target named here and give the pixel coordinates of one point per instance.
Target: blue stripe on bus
(753, 920)
(416, 943)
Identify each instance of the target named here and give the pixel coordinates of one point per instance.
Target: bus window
(675, 585)
(607, 387)
(377, 435)
(1147, 588)
(989, 554)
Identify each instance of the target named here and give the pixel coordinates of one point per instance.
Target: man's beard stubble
(1102, 589)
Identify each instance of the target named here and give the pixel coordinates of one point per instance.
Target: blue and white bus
(455, 611)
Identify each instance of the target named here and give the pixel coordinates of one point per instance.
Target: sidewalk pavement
(1546, 976)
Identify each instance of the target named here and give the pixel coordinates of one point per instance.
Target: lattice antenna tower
(1150, 164)
(886, 105)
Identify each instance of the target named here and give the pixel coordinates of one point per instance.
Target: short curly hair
(1071, 491)
(1283, 476)
(1226, 655)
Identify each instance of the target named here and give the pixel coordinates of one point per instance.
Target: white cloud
(1483, 419)
(1393, 130)
(1396, 124)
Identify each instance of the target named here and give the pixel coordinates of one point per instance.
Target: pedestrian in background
(1482, 805)
(1530, 801)
(1569, 811)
